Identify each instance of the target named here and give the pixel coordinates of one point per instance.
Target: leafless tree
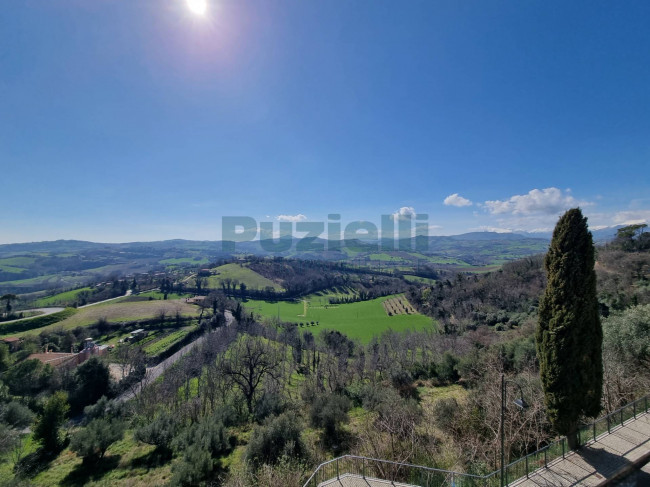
(248, 362)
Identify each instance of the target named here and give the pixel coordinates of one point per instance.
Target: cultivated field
(361, 320)
(252, 279)
(121, 311)
(398, 305)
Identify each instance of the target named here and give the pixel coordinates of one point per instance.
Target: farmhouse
(57, 360)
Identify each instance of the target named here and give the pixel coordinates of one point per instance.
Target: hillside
(67, 264)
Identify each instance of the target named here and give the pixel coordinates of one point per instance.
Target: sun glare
(198, 6)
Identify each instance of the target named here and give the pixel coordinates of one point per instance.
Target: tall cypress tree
(569, 335)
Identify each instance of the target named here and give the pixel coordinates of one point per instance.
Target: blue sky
(139, 120)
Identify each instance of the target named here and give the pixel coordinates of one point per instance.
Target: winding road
(153, 373)
(44, 312)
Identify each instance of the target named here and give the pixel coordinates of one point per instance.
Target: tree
(49, 423)
(92, 382)
(632, 237)
(248, 362)
(569, 334)
(8, 298)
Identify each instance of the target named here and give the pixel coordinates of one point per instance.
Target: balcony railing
(417, 475)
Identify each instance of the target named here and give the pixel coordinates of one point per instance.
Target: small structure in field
(71, 360)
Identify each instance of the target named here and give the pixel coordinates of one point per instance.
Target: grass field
(127, 463)
(66, 297)
(252, 279)
(361, 320)
(422, 280)
(121, 311)
(385, 257)
(37, 323)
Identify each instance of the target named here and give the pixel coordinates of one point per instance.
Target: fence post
(563, 438)
(579, 439)
(594, 425)
(634, 409)
(621, 416)
(526, 466)
(337, 470)
(545, 459)
(608, 428)
(453, 482)
(363, 468)
(646, 403)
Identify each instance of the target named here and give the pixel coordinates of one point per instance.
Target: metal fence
(524, 466)
(372, 468)
(416, 475)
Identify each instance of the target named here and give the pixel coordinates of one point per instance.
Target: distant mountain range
(28, 267)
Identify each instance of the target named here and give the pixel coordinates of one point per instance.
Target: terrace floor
(596, 464)
(349, 480)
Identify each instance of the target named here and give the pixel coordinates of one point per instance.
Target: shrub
(16, 415)
(201, 444)
(28, 378)
(160, 432)
(278, 438)
(92, 442)
(105, 409)
(329, 411)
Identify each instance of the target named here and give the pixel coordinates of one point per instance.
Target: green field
(158, 346)
(21, 262)
(37, 323)
(361, 320)
(66, 297)
(117, 311)
(422, 280)
(252, 279)
(384, 257)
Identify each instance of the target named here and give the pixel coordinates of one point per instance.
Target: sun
(198, 6)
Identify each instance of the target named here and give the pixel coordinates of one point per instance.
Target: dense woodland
(262, 404)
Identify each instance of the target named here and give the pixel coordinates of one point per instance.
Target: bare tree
(248, 362)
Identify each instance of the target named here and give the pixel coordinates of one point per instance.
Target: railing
(372, 468)
(524, 466)
(432, 477)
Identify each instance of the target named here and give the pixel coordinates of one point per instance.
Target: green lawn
(361, 320)
(252, 279)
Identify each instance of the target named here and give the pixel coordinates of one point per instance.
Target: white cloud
(548, 201)
(487, 228)
(404, 212)
(291, 218)
(456, 200)
(632, 217)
